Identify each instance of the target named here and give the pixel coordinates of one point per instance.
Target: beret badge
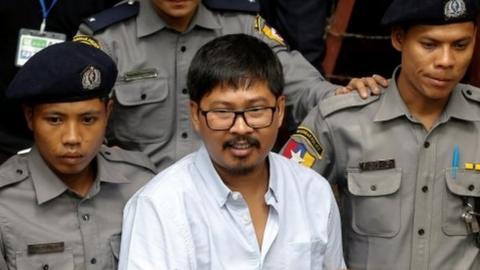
(454, 9)
(91, 78)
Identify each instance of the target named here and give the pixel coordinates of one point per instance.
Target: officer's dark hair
(237, 61)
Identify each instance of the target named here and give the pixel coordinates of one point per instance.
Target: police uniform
(44, 224)
(151, 111)
(65, 16)
(405, 192)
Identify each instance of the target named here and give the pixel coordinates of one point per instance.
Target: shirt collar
(219, 190)
(148, 21)
(391, 103)
(48, 186)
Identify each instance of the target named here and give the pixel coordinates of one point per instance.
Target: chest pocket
(308, 255)
(375, 202)
(466, 185)
(141, 112)
(53, 261)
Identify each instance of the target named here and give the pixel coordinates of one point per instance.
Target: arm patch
(307, 134)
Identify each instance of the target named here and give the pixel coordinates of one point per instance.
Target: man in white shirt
(233, 204)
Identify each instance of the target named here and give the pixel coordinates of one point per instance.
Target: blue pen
(455, 161)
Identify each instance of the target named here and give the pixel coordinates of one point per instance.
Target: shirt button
(235, 196)
(373, 187)
(469, 92)
(183, 48)
(45, 267)
(471, 187)
(184, 91)
(421, 232)
(143, 96)
(425, 189)
(426, 144)
(86, 217)
(19, 171)
(184, 135)
(93, 261)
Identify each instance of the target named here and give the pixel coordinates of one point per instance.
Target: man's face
(240, 149)
(434, 58)
(176, 9)
(68, 135)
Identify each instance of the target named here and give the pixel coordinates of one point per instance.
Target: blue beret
(430, 12)
(69, 71)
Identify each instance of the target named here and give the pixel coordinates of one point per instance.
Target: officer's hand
(364, 85)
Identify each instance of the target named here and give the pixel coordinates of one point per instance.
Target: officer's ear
(194, 115)
(398, 37)
(109, 107)
(28, 113)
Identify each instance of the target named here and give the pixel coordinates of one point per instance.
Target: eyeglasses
(221, 120)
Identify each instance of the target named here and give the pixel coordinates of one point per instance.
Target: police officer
(63, 18)
(61, 204)
(153, 43)
(407, 162)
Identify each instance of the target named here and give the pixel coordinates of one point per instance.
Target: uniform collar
(393, 106)
(220, 191)
(48, 186)
(148, 21)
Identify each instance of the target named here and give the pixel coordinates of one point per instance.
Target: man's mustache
(241, 139)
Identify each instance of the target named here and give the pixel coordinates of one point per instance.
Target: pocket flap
(465, 183)
(374, 183)
(141, 92)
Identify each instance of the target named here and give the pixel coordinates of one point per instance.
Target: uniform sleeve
(304, 85)
(151, 238)
(334, 252)
(312, 146)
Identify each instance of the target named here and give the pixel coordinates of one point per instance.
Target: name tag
(46, 248)
(32, 41)
(377, 165)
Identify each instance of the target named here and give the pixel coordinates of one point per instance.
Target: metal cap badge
(91, 78)
(454, 9)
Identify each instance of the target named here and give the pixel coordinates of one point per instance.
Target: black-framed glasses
(221, 119)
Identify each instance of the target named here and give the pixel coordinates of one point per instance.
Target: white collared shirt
(187, 218)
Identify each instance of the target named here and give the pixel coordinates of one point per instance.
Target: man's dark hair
(237, 60)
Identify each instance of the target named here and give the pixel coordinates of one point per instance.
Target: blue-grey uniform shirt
(401, 202)
(151, 111)
(44, 225)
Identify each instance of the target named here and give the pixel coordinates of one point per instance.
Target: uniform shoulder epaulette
(116, 154)
(109, 17)
(250, 6)
(340, 102)
(470, 92)
(13, 171)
